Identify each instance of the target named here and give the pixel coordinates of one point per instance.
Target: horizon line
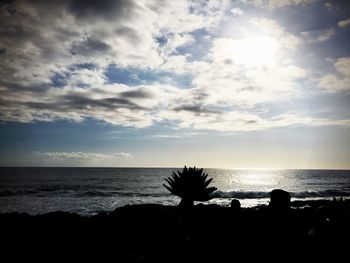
(174, 167)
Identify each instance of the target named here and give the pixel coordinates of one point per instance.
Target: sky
(262, 84)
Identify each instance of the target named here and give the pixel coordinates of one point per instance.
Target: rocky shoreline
(156, 233)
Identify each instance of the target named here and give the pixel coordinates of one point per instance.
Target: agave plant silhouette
(191, 185)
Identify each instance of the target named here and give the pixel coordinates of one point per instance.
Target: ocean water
(88, 191)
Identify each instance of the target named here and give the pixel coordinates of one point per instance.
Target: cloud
(325, 35)
(340, 82)
(344, 23)
(197, 109)
(236, 121)
(78, 158)
(107, 9)
(76, 105)
(237, 11)
(178, 135)
(87, 95)
(43, 72)
(273, 4)
(271, 27)
(331, 7)
(59, 71)
(40, 39)
(319, 35)
(177, 40)
(331, 82)
(89, 46)
(81, 155)
(167, 136)
(245, 73)
(342, 65)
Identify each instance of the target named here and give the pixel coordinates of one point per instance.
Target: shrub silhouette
(191, 185)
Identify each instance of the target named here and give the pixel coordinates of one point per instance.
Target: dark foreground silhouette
(151, 233)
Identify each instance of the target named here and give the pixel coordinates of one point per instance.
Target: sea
(88, 191)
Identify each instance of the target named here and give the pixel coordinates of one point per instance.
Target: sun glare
(255, 51)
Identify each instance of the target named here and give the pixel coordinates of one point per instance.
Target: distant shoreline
(178, 168)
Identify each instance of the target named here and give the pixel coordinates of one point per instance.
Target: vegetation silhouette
(191, 185)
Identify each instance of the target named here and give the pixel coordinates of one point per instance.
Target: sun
(255, 51)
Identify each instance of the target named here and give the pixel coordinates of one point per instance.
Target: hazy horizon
(232, 84)
(180, 168)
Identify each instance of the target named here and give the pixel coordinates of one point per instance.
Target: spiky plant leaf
(190, 184)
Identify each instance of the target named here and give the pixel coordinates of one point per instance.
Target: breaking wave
(262, 194)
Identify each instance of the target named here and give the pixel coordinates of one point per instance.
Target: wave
(78, 193)
(263, 194)
(324, 193)
(5, 193)
(145, 194)
(119, 193)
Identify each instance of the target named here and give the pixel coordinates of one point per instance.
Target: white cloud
(249, 51)
(76, 46)
(344, 23)
(78, 158)
(177, 40)
(244, 72)
(237, 11)
(33, 53)
(167, 136)
(117, 104)
(342, 65)
(272, 4)
(319, 36)
(242, 121)
(331, 7)
(179, 135)
(332, 82)
(88, 77)
(327, 34)
(81, 155)
(272, 28)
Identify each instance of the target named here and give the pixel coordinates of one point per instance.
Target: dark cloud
(196, 109)
(81, 103)
(70, 102)
(37, 40)
(129, 33)
(89, 46)
(77, 101)
(89, 9)
(138, 94)
(18, 26)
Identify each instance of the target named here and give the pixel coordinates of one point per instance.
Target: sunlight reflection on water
(90, 190)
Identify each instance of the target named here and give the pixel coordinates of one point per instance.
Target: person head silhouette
(235, 205)
(279, 200)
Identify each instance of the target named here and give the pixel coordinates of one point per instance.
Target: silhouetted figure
(279, 201)
(235, 205)
(280, 225)
(235, 223)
